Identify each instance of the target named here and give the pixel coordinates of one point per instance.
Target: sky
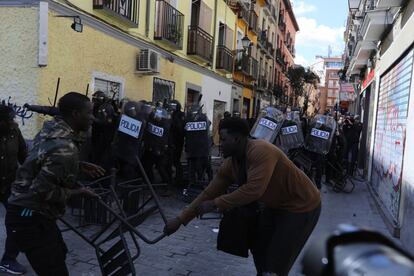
(322, 24)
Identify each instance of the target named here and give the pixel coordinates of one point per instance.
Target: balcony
(243, 13)
(262, 83)
(374, 24)
(253, 22)
(389, 3)
(273, 16)
(282, 23)
(169, 24)
(261, 40)
(224, 59)
(266, 7)
(270, 50)
(278, 90)
(279, 57)
(125, 10)
(200, 43)
(246, 64)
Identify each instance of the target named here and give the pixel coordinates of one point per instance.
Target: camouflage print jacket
(50, 171)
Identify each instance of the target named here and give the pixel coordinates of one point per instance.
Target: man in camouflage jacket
(45, 182)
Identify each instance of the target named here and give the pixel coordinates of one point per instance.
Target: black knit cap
(235, 125)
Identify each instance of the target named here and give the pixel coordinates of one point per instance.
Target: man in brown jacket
(265, 175)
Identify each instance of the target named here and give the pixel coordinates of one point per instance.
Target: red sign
(368, 79)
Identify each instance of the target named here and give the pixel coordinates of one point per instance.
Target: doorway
(218, 113)
(246, 108)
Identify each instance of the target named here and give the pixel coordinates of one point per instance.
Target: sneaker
(12, 267)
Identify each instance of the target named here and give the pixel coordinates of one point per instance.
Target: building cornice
(120, 34)
(288, 7)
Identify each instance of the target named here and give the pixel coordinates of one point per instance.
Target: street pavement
(192, 250)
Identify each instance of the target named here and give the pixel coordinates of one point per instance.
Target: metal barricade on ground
(114, 251)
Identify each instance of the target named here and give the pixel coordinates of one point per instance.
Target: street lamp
(77, 25)
(245, 42)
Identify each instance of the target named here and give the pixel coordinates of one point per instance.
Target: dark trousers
(10, 248)
(198, 169)
(281, 235)
(176, 162)
(352, 157)
(161, 162)
(40, 239)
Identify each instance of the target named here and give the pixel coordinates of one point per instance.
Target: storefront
(390, 135)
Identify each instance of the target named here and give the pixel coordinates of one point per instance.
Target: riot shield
(197, 149)
(291, 135)
(320, 134)
(128, 139)
(196, 127)
(157, 131)
(268, 124)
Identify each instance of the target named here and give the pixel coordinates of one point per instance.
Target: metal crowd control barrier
(113, 251)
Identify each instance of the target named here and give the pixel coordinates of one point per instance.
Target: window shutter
(205, 17)
(229, 38)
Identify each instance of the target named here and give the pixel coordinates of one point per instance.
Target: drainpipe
(147, 18)
(214, 33)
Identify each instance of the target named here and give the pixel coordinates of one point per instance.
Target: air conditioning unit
(148, 61)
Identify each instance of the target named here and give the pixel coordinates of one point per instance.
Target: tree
(296, 76)
(299, 77)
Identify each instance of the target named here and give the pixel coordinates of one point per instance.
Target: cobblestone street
(192, 250)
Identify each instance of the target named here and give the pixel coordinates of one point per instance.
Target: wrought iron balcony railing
(169, 24)
(253, 22)
(261, 39)
(127, 10)
(224, 59)
(262, 84)
(200, 43)
(246, 64)
(243, 13)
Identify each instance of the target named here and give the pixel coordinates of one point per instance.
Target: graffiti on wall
(19, 111)
(390, 133)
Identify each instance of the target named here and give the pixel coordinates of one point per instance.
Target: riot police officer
(156, 142)
(176, 139)
(197, 144)
(103, 130)
(318, 143)
(128, 146)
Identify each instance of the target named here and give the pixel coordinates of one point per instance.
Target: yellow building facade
(106, 54)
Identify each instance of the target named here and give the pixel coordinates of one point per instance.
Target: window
(162, 89)
(334, 64)
(239, 38)
(110, 88)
